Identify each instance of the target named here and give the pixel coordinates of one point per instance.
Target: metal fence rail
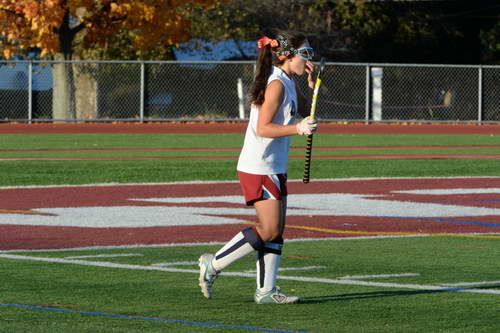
(38, 91)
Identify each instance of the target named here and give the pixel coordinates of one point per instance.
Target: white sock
(244, 243)
(268, 264)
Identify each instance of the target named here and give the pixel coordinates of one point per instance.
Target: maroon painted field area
(82, 216)
(239, 127)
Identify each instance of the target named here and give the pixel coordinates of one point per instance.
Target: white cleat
(275, 297)
(207, 274)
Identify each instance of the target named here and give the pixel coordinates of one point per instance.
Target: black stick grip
(307, 163)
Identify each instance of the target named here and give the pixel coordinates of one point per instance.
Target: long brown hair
(267, 58)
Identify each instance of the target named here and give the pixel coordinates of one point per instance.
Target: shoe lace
(277, 291)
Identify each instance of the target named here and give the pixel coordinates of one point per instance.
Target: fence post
(377, 74)
(141, 111)
(30, 91)
(367, 94)
(241, 98)
(480, 96)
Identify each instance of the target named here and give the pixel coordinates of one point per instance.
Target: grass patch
(130, 171)
(235, 153)
(89, 141)
(176, 295)
(150, 171)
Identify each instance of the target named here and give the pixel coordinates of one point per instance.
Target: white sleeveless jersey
(265, 156)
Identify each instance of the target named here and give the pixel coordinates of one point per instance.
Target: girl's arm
(272, 101)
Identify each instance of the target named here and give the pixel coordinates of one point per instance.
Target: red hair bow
(264, 41)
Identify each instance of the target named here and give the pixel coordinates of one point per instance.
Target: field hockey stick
(307, 163)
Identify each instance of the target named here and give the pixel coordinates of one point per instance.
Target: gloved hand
(307, 126)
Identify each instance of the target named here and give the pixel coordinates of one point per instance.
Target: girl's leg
(267, 233)
(269, 258)
(263, 238)
(242, 244)
(271, 215)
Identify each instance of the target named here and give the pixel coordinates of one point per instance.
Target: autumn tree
(80, 29)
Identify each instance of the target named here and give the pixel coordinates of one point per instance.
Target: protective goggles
(306, 53)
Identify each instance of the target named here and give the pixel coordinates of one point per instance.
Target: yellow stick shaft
(315, 97)
(307, 161)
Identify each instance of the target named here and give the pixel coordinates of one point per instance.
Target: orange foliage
(49, 23)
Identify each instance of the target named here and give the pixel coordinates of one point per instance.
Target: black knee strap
(272, 247)
(253, 239)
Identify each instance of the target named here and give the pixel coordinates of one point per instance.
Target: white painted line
(251, 275)
(116, 247)
(380, 276)
(194, 182)
(237, 199)
(178, 263)
(284, 269)
(392, 285)
(453, 191)
(98, 264)
(235, 181)
(107, 256)
(324, 204)
(136, 246)
(470, 284)
(306, 268)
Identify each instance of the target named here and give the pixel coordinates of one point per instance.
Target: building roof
(199, 49)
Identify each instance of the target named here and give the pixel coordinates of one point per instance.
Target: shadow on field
(375, 294)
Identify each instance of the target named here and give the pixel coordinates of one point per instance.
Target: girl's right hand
(307, 126)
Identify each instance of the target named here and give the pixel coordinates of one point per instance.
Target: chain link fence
(215, 91)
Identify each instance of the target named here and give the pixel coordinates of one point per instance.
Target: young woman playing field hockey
(262, 165)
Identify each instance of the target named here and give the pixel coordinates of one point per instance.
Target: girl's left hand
(309, 71)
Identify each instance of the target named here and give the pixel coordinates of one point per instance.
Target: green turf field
(134, 294)
(333, 305)
(199, 168)
(81, 141)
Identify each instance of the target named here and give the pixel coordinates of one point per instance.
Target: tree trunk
(62, 106)
(74, 94)
(85, 91)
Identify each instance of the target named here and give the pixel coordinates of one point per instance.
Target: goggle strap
(281, 43)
